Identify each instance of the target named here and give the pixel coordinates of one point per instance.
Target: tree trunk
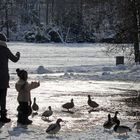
(52, 10)
(7, 21)
(47, 11)
(136, 31)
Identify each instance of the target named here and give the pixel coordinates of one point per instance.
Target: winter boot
(3, 118)
(27, 122)
(23, 119)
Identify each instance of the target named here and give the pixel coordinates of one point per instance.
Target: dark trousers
(24, 110)
(3, 93)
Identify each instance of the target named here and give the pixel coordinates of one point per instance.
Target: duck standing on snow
(35, 107)
(137, 126)
(48, 112)
(115, 118)
(91, 103)
(54, 128)
(121, 129)
(68, 105)
(109, 123)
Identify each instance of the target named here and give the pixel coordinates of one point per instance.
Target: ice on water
(68, 71)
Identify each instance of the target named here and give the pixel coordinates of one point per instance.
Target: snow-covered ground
(68, 71)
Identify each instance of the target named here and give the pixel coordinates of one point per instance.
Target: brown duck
(54, 128)
(121, 128)
(47, 113)
(91, 103)
(109, 123)
(68, 105)
(35, 107)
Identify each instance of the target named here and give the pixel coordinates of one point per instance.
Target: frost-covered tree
(75, 20)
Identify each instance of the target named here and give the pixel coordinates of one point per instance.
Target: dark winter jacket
(5, 54)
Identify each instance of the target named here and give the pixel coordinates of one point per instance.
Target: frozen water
(68, 71)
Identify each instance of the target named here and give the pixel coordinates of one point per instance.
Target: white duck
(54, 128)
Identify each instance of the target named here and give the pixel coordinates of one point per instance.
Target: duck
(91, 103)
(115, 118)
(121, 128)
(137, 126)
(68, 105)
(47, 113)
(54, 128)
(109, 123)
(35, 107)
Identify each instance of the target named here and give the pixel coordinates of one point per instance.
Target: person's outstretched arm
(33, 85)
(13, 57)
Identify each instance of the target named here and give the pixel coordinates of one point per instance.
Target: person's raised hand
(18, 54)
